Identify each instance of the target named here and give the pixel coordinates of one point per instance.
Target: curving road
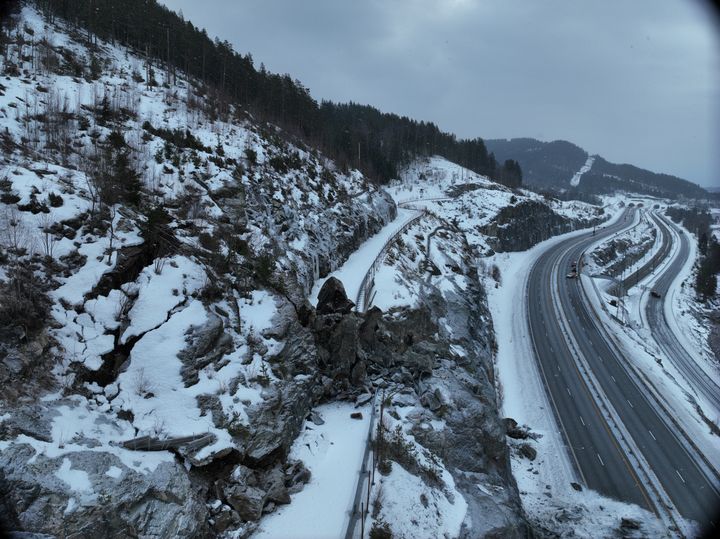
(647, 268)
(664, 335)
(562, 326)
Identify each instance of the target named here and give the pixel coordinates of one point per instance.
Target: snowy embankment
(575, 180)
(333, 452)
(679, 306)
(545, 485)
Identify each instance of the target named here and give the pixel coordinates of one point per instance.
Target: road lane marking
(653, 436)
(680, 476)
(630, 403)
(581, 421)
(613, 378)
(568, 390)
(601, 461)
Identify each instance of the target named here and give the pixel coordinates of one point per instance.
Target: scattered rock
(356, 415)
(432, 400)
(528, 451)
(629, 524)
(514, 431)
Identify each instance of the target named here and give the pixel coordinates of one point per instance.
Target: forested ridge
(357, 136)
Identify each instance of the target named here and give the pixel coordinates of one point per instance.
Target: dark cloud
(634, 81)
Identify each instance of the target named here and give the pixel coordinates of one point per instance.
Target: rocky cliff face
(519, 227)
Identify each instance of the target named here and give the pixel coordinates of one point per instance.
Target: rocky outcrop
(206, 344)
(332, 298)
(519, 227)
(89, 494)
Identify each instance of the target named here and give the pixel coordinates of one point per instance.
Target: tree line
(354, 135)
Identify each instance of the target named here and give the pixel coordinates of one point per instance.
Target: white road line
(601, 460)
(653, 436)
(568, 390)
(680, 476)
(581, 421)
(613, 378)
(630, 403)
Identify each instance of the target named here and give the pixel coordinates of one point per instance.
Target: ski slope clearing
(575, 180)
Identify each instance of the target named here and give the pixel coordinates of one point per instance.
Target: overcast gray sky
(636, 81)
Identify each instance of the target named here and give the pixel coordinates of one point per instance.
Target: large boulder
(332, 298)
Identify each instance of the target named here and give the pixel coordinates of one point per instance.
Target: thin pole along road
(563, 330)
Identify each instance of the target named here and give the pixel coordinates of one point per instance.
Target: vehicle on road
(571, 275)
(655, 293)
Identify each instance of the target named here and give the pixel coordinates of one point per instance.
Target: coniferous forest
(356, 136)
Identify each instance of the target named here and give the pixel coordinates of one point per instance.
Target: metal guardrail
(362, 301)
(404, 203)
(366, 478)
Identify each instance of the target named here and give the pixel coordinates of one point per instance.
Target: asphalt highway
(555, 304)
(666, 338)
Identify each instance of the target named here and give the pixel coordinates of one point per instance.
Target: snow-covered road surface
(333, 453)
(353, 271)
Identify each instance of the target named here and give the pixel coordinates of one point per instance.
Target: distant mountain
(558, 165)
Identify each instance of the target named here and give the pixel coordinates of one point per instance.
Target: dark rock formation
(162, 503)
(332, 298)
(519, 227)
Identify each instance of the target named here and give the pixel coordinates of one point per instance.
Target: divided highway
(562, 328)
(664, 335)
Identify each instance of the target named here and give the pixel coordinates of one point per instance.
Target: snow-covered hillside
(164, 373)
(149, 306)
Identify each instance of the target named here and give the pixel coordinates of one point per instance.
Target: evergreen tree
(356, 136)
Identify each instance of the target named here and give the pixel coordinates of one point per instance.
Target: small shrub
(380, 530)
(495, 272)
(279, 163)
(9, 198)
(264, 268)
(385, 467)
(251, 156)
(55, 200)
(24, 300)
(209, 241)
